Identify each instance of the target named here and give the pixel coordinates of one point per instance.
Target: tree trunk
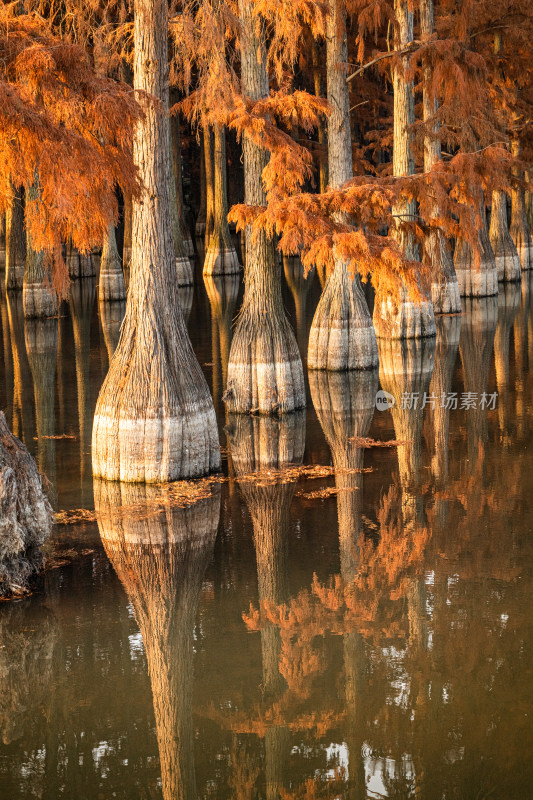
(15, 243)
(2, 241)
(444, 287)
(160, 555)
(209, 185)
(265, 369)
(176, 152)
(220, 255)
(80, 265)
(38, 296)
(202, 211)
(22, 425)
(82, 297)
(476, 277)
(341, 336)
(111, 285)
(183, 265)
(401, 318)
(126, 247)
(154, 419)
(520, 231)
(7, 366)
(111, 316)
(299, 285)
(505, 252)
(322, 137)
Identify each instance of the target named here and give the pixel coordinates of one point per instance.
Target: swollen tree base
(342, 335)
(265, 373)
(403, 318)
(505, 252)
(445, 294)
(476, 279)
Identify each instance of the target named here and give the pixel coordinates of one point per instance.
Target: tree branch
(411, 46)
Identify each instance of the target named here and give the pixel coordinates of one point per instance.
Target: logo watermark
(451, 401)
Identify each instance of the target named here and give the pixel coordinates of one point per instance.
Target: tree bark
(520, 231)
(111, 316)
(401, 318)
(38, 296)
(111, 285)
(322, 136)
(444, 287)
(15, 243)
(265, 369)
(342, 336)
(505, 252)
(154, 419)
(476, 277)
(220, 255)
(222, 292)
(202, 211)
(183, 265)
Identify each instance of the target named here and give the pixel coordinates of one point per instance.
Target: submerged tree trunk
(342, 336)
(25, 514)
(400, 317)
(520, 231)
(160, 554)
(220, 254)
(111, 285)
(265, 369)
(444, 287)
(477, 277)
(176, 151)
(222, 292)
(154, 419)
(15, 242)
(505, 252)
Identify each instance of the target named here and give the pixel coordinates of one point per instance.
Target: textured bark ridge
(25, 514)
(400, 317)
(220, 254)
(154, 418)
(342, 336)
(445, 294)
(15, 243)
(505, 252)
(160, 554)
(222, 291)
(111, 285)
(265, 373)
(508, 305)
(475, 348)
(476, 277)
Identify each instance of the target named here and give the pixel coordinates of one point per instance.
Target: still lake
(330, 620)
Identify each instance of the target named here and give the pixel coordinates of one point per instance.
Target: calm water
(359, 635)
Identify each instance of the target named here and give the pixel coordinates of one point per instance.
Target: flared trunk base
(405, 319)
(111, 286)
(446, 297)
(38, 301)
(479, 280)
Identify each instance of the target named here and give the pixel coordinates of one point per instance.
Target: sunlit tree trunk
(209, 184)
(505, 252)
(38, 296)
(22, 425)
(265, 369)
(444, 287)
(15, 242)
(111, 286)
(7, 365)
(154, 419)
(400, 317)
(519, 230)
(341, 336)
(322, 137)
(220, 255)
(202, 211)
